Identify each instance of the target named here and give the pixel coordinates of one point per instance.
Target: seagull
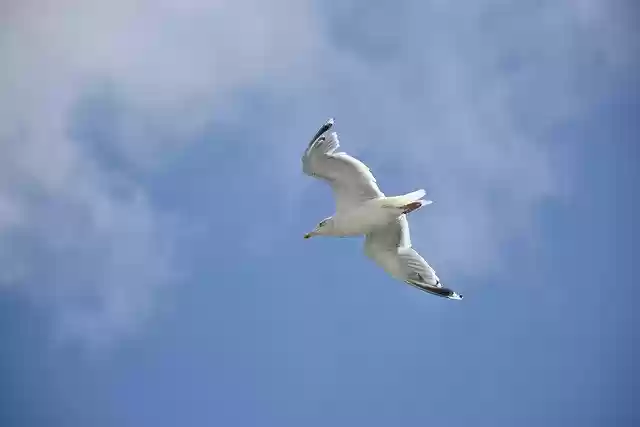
(361, 208)
(360, 205)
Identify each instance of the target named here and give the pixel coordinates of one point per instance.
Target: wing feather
(351, 180)
(391, 237)
(390, 247)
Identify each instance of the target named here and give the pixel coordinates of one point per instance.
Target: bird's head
(323, 227)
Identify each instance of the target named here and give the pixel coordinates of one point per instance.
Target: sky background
(152, 208)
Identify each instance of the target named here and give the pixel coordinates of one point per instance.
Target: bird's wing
(417, 269)
(351, 180)
(419, 274)
(390, 237)
(390, 247)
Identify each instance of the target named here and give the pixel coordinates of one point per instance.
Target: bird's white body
(362, 219)
(371, 215)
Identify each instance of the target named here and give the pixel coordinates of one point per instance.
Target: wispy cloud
(463, 99)
(78, 237)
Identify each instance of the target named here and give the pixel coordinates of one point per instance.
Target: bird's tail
(408, 202)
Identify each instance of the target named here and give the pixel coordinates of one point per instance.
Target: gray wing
(351, 180)
(390, 247)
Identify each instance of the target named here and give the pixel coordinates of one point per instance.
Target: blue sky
(152, 207)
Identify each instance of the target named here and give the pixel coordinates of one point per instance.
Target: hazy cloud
(77, 237)
(463, 98)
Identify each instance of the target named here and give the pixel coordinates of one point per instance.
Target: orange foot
(412, 207)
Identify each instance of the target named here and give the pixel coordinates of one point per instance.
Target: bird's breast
(362, 220)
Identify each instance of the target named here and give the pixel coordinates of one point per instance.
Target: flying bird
(362, 209)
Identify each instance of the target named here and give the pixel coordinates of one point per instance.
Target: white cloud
(467, 93)
(76, 238)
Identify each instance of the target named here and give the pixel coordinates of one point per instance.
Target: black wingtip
(325, 127)
(440, 291)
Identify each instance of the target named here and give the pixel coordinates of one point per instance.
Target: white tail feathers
(400, 201)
